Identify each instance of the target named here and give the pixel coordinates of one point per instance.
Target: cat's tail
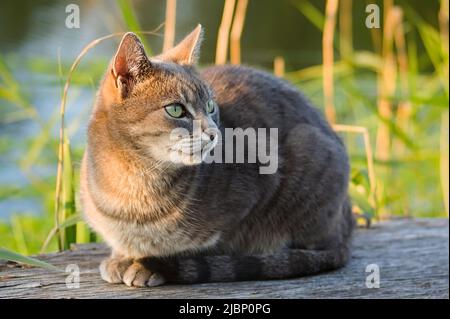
(288, 263)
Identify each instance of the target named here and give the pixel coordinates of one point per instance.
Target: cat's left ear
(130, 64)
(188, 50)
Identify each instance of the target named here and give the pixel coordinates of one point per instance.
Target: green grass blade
(19, 236)
(10, 91)
(354, 94)
(131, 21)
(433, 46)
(314, 15)
(361, 200)
(444, 160)
(83, 233)
(6, 254)
(70, 221)
(39, 143)
(68, 197)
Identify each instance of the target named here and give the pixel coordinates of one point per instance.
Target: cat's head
(160, 106)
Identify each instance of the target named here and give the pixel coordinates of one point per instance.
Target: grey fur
(217, 222)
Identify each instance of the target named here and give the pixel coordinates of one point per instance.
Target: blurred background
(385, 90)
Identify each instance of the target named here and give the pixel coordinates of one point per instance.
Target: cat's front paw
(137, 275)
(112, 269)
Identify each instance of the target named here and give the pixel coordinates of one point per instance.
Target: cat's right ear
(129, 65)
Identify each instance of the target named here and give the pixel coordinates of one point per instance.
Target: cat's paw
(112, 269)
(137, 275)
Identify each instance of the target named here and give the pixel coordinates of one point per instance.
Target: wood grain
(412, 255)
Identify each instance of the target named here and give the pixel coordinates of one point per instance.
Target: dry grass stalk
(328, 59)
(387, 81)
(345, 27)
(224, 31)
(443, 26)
(278, 66)
(444, 149)
(375, 34)
(404, 106)
(444, 160)
(169, 25)
(369, 155)
(236, 31)
(62, 109)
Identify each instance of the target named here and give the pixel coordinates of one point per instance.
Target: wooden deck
(412, 256)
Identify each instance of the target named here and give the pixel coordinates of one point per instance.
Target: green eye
(210, 106)
(175, 110)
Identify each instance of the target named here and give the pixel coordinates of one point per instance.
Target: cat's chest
(163, 237)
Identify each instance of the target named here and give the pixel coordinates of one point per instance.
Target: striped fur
(287, 263)
(184, 223)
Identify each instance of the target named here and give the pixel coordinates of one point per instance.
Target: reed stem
(369, 156)
(224, 31)
(328, 59)
(346, 29)
(236, 31)
(279, 66)
(386, 81)
(404, 106)
(169, 25)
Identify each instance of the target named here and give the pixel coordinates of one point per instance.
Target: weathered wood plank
(412, 255)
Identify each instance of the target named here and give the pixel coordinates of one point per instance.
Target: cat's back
(253, 98)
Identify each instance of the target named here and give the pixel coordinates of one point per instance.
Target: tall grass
(224, 32)
(169, 25)
(68, 225)
(236, 31)
(411, 110)
(395, 69)
(328, 59)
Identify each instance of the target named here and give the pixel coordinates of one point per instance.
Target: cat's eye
(210, 106)
(175, 110)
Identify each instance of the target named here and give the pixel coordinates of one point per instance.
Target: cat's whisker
(153, 168)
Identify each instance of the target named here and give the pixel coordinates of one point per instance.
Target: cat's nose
(210, 134)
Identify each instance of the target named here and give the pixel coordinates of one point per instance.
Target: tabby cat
(191, 222)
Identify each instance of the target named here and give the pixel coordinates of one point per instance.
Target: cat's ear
(129, 65)
(188, 50)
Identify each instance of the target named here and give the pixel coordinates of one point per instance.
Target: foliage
(408, 183)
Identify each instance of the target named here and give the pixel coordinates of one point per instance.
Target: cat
(192, 221)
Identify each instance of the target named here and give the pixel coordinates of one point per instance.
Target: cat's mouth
(210, 144)
(193, 149)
